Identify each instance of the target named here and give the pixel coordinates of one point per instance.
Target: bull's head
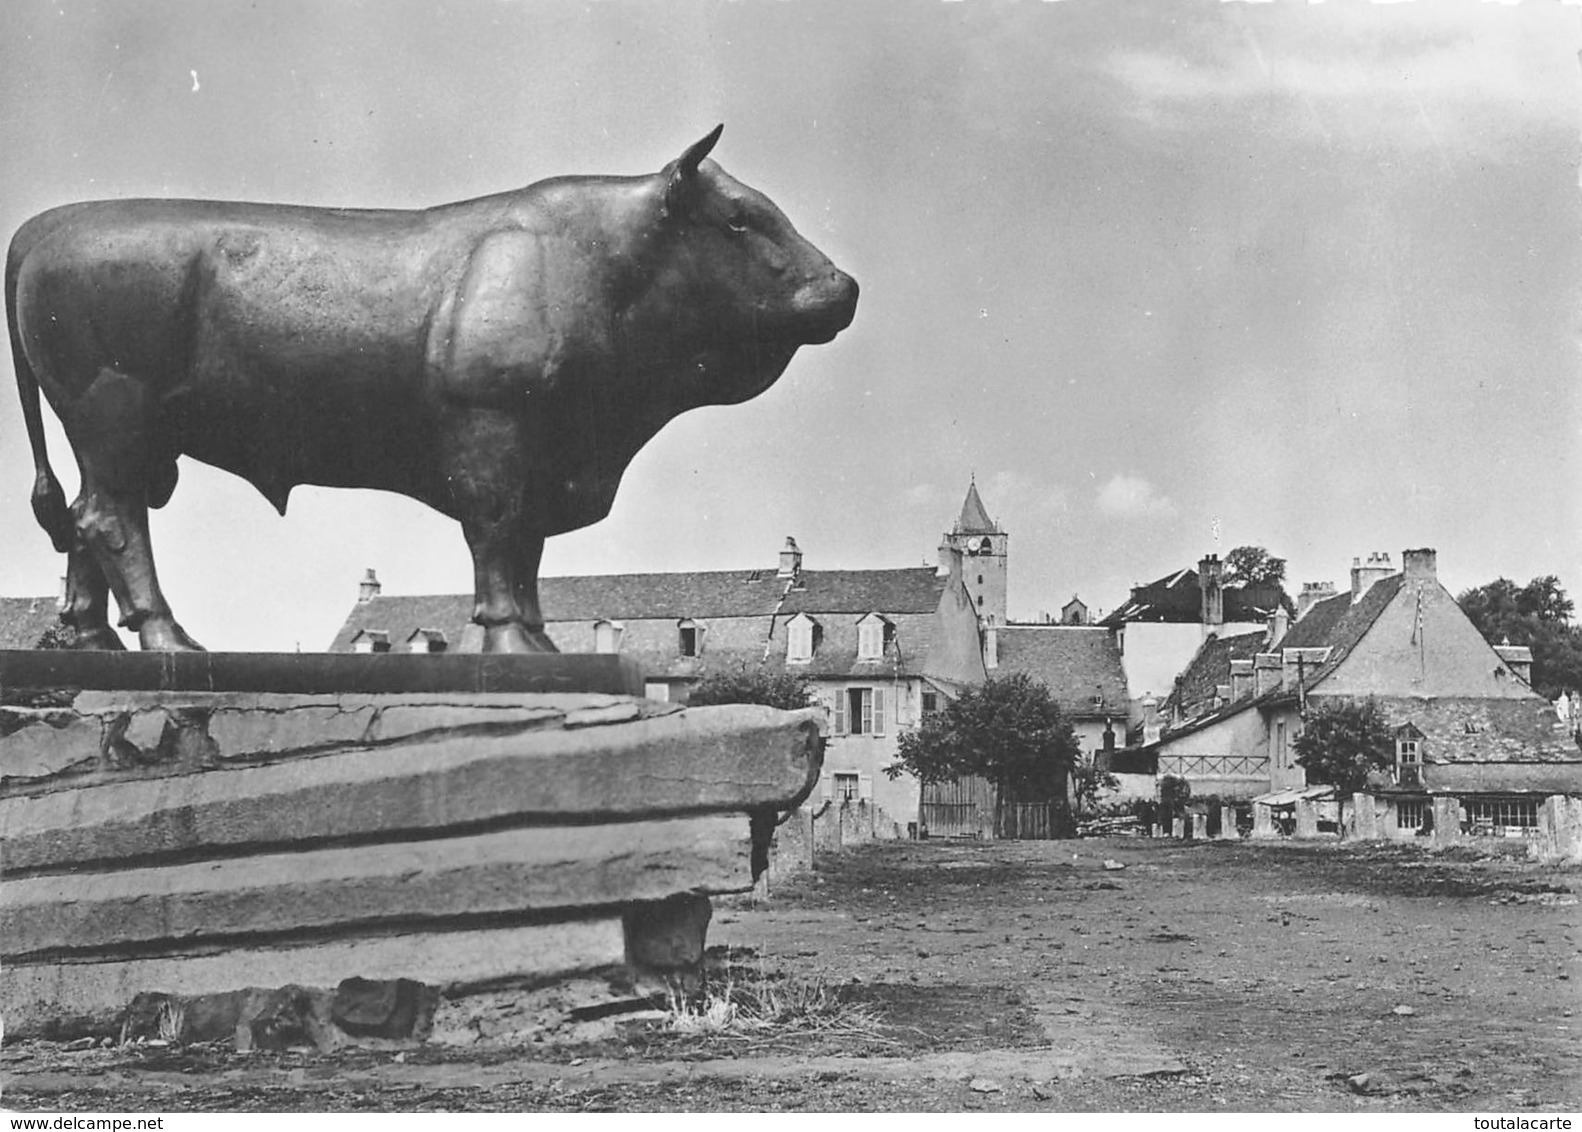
(758, 288)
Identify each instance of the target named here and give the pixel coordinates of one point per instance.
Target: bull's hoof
(101, 637)
(162, 634)
(512, 637)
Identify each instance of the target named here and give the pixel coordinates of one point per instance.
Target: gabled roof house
(1468, 722)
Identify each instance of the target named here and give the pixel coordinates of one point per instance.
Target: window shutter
(840, 711)
(865, 787)
(878, 711)
(825, 786)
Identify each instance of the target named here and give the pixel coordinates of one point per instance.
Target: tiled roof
(1467, 729)
(741, 618)
(1178, 598)
(974, 518)
(1195, 690)
(1338, 624)
(1077, 662)
(24, 619)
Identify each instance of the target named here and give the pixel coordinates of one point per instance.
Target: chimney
(991, 647)
(1268, 668)
(1210, 578)
(1153, 722)
(1241, 679)
(1279, 624)
(1363, 576)
(790, 560)
(1422, 563)
(368, 588)
(1313, 593)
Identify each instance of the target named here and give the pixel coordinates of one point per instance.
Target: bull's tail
(49, 501)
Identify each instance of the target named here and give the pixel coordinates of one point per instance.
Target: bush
(752, 686)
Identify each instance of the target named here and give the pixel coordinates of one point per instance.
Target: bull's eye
(737, 222)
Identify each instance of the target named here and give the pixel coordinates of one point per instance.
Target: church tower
(983, 552)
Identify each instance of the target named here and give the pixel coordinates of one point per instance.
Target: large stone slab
(348, 891)
(319, 673)
(67, 999)
(727, 759)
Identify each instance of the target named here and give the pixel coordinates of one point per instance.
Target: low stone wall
(346, 854)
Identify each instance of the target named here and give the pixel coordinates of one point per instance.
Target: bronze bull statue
(501, 359)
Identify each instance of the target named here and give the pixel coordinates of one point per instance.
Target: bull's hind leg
(87, 608)
(115, 528)
(111, 431)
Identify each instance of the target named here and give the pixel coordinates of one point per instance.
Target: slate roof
(974, 518)
(1338, 624)
(1078, 662)
(1178, 598)
(24, 619)
(1197, 686)
(741, 616)
(1466, 729)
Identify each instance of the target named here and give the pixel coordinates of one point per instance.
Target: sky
(1165, 278)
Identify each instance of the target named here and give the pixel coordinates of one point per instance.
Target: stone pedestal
(210, 844)
(1306, 818)
(1178, 828)
(1365, 824)
(1227, 823)
(1447, 821)
(1199, 827)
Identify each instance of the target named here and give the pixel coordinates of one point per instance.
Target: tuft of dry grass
(759, 1012)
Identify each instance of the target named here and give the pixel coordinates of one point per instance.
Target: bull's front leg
(490, 491)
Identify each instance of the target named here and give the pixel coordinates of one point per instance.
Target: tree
(58, 636)
(1537, 615)
(1008, 730)
(1342, 741)
(1253, 566)
(1088, 781)
(752, 686)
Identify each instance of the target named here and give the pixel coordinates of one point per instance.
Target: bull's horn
(685, 168)
(690, 160)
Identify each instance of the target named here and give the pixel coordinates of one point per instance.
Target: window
(656, 690)
(689, 634)
(1502, 812)
(871, 634)
(607, 636)
(426, 641)
(801, 638)
(930, 703)
(1279, 744)
(1409, 815)
(859, 711)
(847, 788)
(1408, 752)
(371, 640)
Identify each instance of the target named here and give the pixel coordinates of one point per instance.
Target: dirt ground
(1022, 976)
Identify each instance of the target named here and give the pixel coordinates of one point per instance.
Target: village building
(25, 620)
(1469, 727)
(1161, 626)
(879, 648)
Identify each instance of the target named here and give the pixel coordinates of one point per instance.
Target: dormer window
(1408, 755)
(607, 636)
(873, 633)
(689, 638)
(370, 641)
(427, 641)
(801, 639)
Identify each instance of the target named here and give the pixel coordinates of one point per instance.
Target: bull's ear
(684, 169)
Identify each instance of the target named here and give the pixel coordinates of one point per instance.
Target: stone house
(878, 647)
(1468, 724)
(1161, 626)
(23, 620)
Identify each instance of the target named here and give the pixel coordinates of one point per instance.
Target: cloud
(1132, 497)
(1420, 74)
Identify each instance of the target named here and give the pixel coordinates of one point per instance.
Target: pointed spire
(974, 519)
